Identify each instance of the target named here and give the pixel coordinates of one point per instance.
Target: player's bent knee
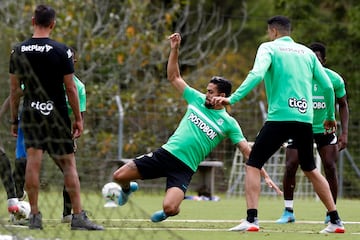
(171, 210)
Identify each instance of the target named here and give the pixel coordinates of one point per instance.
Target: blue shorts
(161, 163)
(20, 150)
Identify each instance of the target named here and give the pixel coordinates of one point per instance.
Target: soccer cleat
(327, 219)
(158, 216)
(13, 205)
(35, 221)
(124, 196)
(287, 217)
(66, 219)
(82, 222)
(247, 226)
(337, 227)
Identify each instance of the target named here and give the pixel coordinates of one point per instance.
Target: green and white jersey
(82, 96)
(201, 130)
(319, 103)
(288, 70)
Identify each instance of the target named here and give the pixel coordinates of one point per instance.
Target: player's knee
(329, 165)
(171, 209)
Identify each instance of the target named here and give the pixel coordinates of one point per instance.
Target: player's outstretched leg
(125, 193)
(158, 216)
(246, 226)
(287, 217)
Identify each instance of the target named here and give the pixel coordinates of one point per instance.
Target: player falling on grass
(44, 66)
(202, 128)
(288, 70)
(328, 145)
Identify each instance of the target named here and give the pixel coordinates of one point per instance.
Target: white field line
(202, 221)
(196, 220)
(193, 229)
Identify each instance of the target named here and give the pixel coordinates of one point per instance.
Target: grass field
(198, 220)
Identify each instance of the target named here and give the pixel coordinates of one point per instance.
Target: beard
(209, 105)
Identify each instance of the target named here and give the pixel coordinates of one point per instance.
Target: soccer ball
(23, 213)
(111, 193)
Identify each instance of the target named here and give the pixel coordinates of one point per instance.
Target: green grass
(197, 220)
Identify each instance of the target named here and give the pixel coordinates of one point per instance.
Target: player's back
(288, 81)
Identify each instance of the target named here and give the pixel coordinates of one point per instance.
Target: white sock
(289, 204)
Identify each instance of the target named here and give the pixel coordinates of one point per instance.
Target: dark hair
(281, 23)
(44, 15)
(223, 85)
(319, 47)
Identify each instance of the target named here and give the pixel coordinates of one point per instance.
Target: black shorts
(49, 134)
(273, 134)
(320, 139)
(161, 163)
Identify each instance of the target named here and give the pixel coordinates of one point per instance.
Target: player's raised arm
(173, 71)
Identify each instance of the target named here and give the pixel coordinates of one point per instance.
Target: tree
(122, 50)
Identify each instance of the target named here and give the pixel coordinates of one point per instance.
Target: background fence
(144, 131)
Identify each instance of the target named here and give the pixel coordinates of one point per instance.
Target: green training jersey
(201, 130)
(288, 70)
(319, 104)
(81, 93)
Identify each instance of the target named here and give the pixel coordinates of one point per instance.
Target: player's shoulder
(17, 46)
(332, 72)
(335, 77)
(60, 47)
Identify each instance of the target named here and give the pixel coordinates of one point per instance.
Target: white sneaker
(334, 228)
(13, 205)
(247, 226)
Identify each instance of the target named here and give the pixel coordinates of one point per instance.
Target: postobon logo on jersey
(301, 105)
(44, 108)
(319, 105)
(202, 125)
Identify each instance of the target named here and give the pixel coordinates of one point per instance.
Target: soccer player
(44, 66)
(82, 101)
(20, 162)
(202, 128)
(288, 70)
(327, 145)
(5, 171)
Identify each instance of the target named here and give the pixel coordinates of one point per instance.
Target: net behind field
(275, 167)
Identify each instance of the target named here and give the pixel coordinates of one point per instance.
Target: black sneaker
(82, 222)
(35, 221)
